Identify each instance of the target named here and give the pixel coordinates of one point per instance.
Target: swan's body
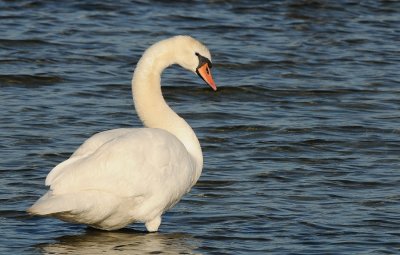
(130, 175)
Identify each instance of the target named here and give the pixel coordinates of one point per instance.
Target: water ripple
(29, 81)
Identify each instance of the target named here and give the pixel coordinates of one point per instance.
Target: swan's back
(128, 159)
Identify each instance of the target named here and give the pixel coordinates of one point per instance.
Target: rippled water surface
(301, 141)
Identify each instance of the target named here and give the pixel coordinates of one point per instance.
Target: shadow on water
(125, 241)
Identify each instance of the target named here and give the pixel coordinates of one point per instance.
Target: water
(301, 141)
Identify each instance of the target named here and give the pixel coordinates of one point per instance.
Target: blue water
(301, 141)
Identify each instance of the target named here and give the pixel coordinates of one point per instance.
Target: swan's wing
(133, 164)
(86, 149)
(97, 140)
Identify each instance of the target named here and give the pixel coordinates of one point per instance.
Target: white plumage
(130, 175)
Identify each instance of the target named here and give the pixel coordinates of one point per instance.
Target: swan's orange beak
(205, 73)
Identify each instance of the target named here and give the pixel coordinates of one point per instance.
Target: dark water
(301, 142)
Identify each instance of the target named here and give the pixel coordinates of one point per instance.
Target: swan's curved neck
(150, 104)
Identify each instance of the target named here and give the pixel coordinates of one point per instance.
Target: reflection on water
(121, 242)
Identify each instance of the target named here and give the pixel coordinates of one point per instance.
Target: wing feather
(134, 163)
(86, 149)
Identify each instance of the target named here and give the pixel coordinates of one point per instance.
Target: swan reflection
(122, 242)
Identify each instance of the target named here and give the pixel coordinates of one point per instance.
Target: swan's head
(194, 56)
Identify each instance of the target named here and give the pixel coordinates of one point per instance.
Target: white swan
(130, 175)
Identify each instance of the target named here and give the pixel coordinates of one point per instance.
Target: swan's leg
(152, 226)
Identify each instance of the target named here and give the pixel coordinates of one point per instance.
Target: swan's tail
(49, 204)
(87, 207)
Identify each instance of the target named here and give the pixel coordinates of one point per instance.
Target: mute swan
(127, 175)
